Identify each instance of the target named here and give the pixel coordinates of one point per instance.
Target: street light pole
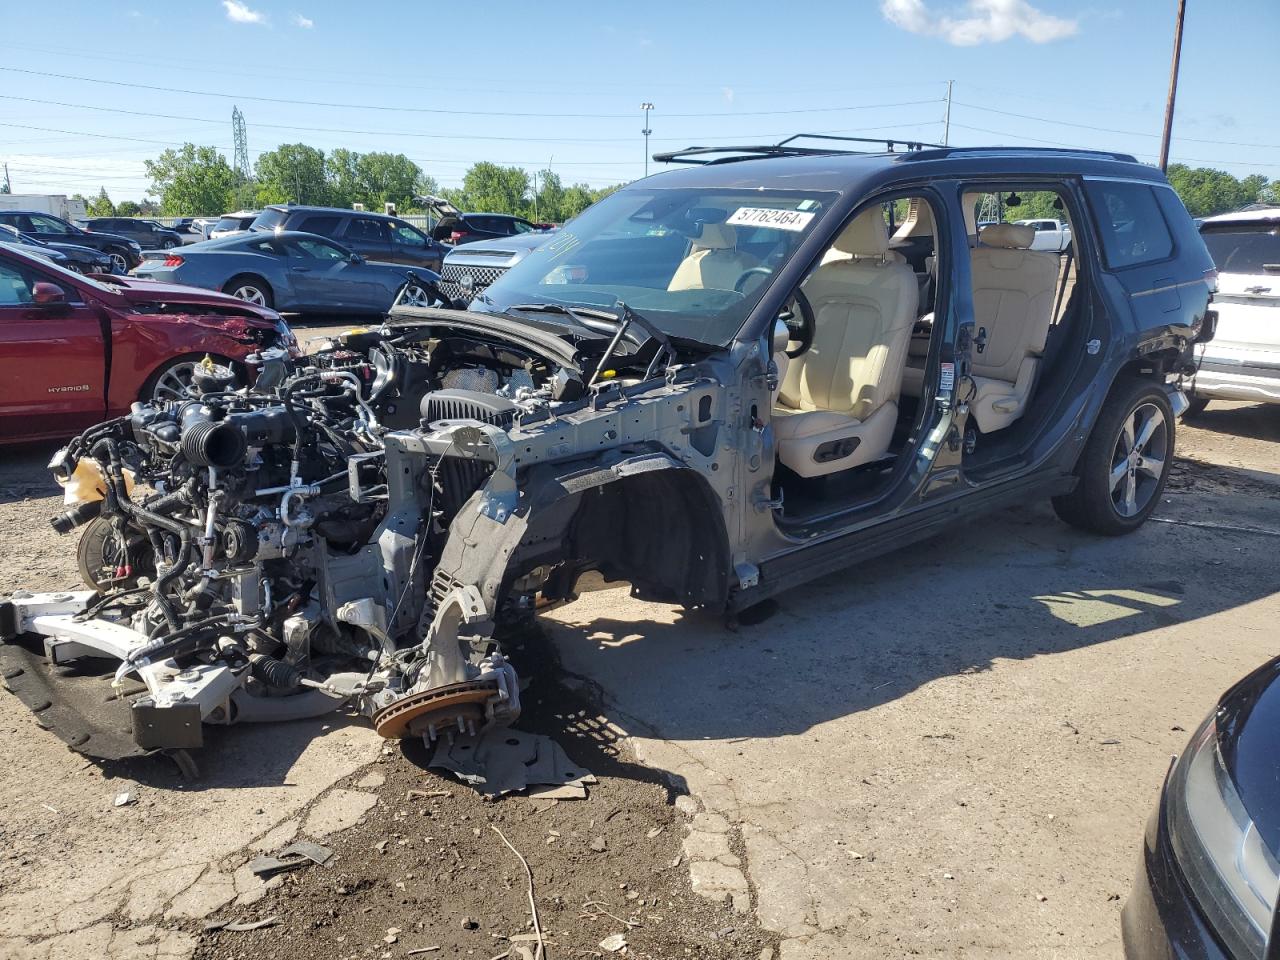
(1173, 87)
(646, 107)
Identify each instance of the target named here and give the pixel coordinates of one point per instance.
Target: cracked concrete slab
(73, 859)
(916, 751)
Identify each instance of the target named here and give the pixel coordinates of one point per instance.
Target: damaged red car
(75, 350)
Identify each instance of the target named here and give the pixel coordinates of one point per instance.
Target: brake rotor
(458, 705)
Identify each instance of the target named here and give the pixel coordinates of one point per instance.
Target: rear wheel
(1125, 463)
(250, 289)
(167, 245)
(119, 262)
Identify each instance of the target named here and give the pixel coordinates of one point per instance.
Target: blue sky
(559, 84)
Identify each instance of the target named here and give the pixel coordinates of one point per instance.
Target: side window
(1129, 219)
(520, 226)
(366, 230)
(315, 250)
(47, 225)
(15, 286)
(407, 236)
(267, 246)
(325, 226)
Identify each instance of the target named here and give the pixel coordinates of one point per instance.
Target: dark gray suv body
(147, 234)
(375, 236)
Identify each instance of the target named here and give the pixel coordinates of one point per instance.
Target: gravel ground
(442, 850)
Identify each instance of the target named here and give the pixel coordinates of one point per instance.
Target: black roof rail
(942, 152)
(783, 148)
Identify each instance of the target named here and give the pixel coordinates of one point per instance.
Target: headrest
(918, 222)
(1010, 236)
(717, 236)
(866, 236)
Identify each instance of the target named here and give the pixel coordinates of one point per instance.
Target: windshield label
(795, 220)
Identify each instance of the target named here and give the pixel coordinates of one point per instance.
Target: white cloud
(728, 94)
(238, 12)
(984, 21)
(306, 23)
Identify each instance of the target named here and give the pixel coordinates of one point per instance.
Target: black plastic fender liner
(73, 701)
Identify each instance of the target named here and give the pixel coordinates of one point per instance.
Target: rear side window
(1243, 247)
(325, 226)
(1133, 229)
(362, 228)
(266, 220)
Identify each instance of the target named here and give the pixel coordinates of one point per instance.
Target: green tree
(549, 207)
(191, 181)
(490, 188)
(128, 208)
(386, 178)
(101, 205)
(1206, 191)
(292, 171)
(341, 166)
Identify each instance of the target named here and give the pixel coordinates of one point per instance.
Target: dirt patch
(433, 867)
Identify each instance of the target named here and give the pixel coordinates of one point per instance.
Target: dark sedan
(291, 271)
(74, 257)
(1210, 870)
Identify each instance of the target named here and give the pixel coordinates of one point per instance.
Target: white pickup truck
(1050, 234)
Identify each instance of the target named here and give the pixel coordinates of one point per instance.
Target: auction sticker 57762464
(795, 220)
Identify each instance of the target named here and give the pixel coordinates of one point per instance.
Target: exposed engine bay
(347, 531)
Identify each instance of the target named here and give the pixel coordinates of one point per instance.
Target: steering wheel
(798, 317)
(741, 283)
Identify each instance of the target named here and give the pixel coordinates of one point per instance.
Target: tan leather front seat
(1013, 289)
(714, 262)
(837, 406)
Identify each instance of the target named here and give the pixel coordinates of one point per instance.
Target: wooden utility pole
(1173, 86)
(946, 124)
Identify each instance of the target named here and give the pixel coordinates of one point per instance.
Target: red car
(75, 351)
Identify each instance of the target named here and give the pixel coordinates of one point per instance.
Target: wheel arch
(644, 518)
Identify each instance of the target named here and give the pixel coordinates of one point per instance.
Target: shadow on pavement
(1260, 421)
(1019, 585)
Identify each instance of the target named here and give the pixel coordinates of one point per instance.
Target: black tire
(1197, 405)
(1101, 503)
(100, 553)
(167, 245)
(238, 284)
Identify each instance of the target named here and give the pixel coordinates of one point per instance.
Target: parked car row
(125, 253)
(69, 255)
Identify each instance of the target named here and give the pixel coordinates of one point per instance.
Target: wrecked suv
(718, 383)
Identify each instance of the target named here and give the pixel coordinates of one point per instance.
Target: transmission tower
(241, 140)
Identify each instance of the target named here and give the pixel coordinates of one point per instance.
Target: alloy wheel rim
(119, 263)
(1138, 459)
(175, 383)
(250, 294)
(415, 296)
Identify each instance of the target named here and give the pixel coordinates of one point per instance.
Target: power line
(1076, 146)
(440, 111)
(1127, 133)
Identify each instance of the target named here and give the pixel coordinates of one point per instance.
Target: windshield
(1243, 248)
(227, 223)
(692, 262)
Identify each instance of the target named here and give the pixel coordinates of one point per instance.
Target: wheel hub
(454, 706)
